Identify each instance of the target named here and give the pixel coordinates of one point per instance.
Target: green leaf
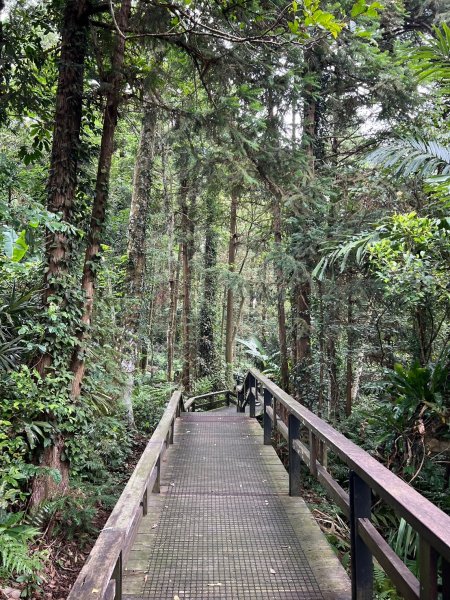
(14, 246)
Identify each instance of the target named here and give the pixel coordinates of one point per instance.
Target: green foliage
(149, 403)
(15, 555)
(266, 363)
(413, 156)
(432, 59)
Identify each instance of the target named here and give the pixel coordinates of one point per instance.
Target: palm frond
(432, 60)
(412, 156)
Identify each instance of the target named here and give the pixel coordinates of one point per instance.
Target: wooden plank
(426, 518)
(405, 582)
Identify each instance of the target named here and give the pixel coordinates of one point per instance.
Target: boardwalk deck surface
(224, 525)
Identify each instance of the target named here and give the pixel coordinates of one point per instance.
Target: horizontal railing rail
(366, 476)
(205, 400)
(101, 576)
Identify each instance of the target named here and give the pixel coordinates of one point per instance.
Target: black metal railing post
(361, 557)
(267, 419)
(252, 395)
(294, 458)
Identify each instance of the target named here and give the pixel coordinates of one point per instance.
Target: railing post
(144, 504)
(171, 431)
(445, 578)
(240, 398)
(251, 395)
(267, 419)
(361, 557)
(227, 399)
(294, 458)
(313, 454)
(428, 560)
(117, 576)
(157, 485)
(323, 454)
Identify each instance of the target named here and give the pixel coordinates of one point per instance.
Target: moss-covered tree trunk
(61, 196)
(62, 180)
(97, 222)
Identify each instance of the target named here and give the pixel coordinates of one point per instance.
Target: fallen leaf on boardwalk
(145, 578)
(176, 597)
(155, 525)
(273, 571)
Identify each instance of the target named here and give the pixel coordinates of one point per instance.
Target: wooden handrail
(366, 475)
(191, 403)
(101, 576)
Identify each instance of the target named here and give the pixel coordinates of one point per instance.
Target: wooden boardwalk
(224, 525)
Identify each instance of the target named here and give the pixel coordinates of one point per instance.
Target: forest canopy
(189, 188)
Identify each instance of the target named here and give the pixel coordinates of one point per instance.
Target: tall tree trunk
(232, 244)
(207, 358)
(303, 301)
(350, 353)
(136, 253)
(61, 195)
(174, 280)
(173, 267)
(281, 311)
(62, 181)
(100, 197)
(333, 368)
(187, 205)
(321, 336)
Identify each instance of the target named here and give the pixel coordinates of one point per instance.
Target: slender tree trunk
(333, 368)
(136, 263)
(281, 312)
(207, 359)
(232, 244)
(303, 301)
(173, 267)
(174, 279)
(100, 197)
(321, 335)
(187, 205)
(61, 195)
(350, 352)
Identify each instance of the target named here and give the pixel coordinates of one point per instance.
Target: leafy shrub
(149, 403)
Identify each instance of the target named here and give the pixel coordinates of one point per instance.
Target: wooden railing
(210, 401)
(366, 477)
(101, 576)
